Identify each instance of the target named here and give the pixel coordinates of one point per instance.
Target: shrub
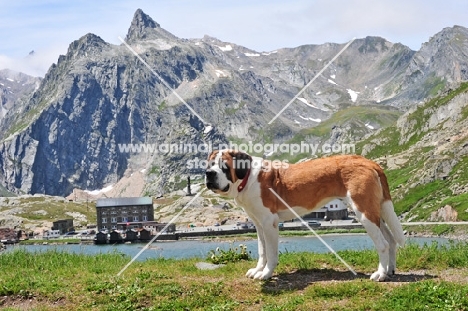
(220, 256)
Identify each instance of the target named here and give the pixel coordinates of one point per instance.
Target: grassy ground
(50, 241)
(430, 277)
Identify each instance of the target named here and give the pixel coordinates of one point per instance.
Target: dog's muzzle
(212, 182)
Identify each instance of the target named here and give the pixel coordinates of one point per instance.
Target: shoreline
(452, 230)
(239, 238)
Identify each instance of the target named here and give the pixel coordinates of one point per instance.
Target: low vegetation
(233, 254)
(430, 277)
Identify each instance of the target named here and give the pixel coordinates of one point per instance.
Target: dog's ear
(213, 155)
(241, 163)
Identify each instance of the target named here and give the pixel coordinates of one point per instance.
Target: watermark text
(266, 149)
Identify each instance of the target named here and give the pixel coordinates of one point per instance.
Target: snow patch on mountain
(225, 48)
(353, 95)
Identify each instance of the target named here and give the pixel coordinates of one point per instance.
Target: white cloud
(34, 65)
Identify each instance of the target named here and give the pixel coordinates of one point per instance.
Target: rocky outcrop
(15, 88)
(446, 213)
(98, 98)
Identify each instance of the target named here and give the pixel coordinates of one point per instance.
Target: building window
(135, 218)
(135, 212)
(104, 220)
(124, 212)
(114, 219)
(124, 219)
(113, 212)
(145, 218)
(104, 213)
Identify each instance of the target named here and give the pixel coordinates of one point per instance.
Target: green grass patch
(433, 256)
(420, 195)
(54, 280)
(425, 295)
(40, 208)
(50, 241)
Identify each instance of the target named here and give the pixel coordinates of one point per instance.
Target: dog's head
(225, 168)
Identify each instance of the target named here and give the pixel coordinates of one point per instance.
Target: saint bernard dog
(307, 186)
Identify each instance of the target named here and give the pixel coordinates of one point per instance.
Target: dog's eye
(226, 170)
(224, 166)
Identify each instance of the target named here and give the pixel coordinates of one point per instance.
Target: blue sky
(49, 26)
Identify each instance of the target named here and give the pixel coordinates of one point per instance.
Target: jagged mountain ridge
(15, 87)
(99, 95)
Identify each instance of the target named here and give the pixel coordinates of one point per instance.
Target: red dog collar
(244, 182)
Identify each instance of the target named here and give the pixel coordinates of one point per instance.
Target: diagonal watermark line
(313, 231)
(311, 81)
(159, 233)
(161, 79)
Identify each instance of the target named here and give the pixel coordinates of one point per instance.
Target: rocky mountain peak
(452, 32)
(141, 26)
(87, 43)
(449, 36)
(372, 44)
(445, 54)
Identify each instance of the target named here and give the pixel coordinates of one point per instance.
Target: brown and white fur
(307, 186)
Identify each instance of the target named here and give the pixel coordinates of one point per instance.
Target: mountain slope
(99, 96)
(426, 157)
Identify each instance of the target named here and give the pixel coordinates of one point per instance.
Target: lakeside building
(112, 212)
(151, 226)
(335, 209)
(63, 226)
(8, 236)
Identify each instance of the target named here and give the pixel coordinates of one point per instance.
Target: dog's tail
(388, 215)
(387, 211)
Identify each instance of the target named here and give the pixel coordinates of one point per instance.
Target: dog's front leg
(268, 235)
(262, 260)
(271, 235)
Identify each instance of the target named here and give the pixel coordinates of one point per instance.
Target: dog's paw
(263, 275)
(252, 272)
(378, 276)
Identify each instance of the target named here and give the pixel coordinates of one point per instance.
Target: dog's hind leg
(393, 232)
(371, 223)
(392, 247)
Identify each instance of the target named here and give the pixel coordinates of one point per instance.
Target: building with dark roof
(111, 211)
(63, 225)
(334, 209)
